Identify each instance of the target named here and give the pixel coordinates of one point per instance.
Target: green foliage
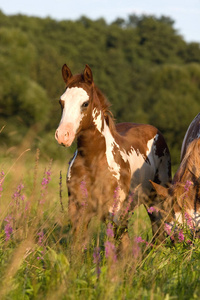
(142, 64)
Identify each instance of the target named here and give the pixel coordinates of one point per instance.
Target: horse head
(76, 105)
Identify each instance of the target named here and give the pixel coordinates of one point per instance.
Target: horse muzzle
(65, 134)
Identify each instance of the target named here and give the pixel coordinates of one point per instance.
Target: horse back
(138, 135)
(148, 142)
(192, 133)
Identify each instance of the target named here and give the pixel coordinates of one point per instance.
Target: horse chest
(93, 170)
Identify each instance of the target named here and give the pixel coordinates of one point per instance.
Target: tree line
(142, 64)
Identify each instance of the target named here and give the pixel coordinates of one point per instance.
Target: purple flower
(45, 181)
(110, 251)
(187, 185)
(189, 242)
(136, 250)
(8, 219)
(40, 257)
(18, 194)
(139, 240)
(168, 228)
(180, 236)
(189, 220)
(8, 231)
(97, 259)
(109, 230)
(128, 207)
(41, 238)
(96, 255)
(152, 209)
(8, 227)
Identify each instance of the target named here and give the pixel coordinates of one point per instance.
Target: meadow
(39, 259)
(150, 75)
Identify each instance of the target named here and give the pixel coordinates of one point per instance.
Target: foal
(112, 160)
(182, 198)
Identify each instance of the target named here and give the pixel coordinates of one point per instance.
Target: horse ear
(66, 73)
(87, 74)
(160, 190)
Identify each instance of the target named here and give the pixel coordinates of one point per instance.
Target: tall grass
(39, 258)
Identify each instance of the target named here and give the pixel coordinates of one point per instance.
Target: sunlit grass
(40, 259)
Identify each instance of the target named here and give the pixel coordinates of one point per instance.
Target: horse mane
(190, 162)
(105, 106)
(188, 175)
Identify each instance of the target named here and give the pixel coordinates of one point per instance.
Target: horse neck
(102, 130)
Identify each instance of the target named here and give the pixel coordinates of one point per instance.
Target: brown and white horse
(111, 160)
(182, 198)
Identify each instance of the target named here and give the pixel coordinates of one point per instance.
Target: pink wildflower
(139, 240)
(109, 230)
(17, 196)
(189, 242)
(110, 251)
(180, 236)
(187, 185)
(8, 231)
(40, 257)
(136, 250)
(97, 260)
(8, 227)
(189, 220)
(45, 182)
(128, 207)
(41, 238)
(168, 228)
(152, 209)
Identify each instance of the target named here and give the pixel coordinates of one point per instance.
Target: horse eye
(85, 104)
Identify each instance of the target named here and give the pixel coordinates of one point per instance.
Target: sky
(185, 13)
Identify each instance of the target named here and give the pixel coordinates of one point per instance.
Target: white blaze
(73, 98)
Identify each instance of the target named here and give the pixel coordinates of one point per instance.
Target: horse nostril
(67, 134)
(56, 134)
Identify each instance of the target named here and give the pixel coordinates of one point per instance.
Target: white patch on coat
(97, 119)
(143, 170)
(110, 143)
(151, 145)
(74, 98)
(70, 165)
(135, 159)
